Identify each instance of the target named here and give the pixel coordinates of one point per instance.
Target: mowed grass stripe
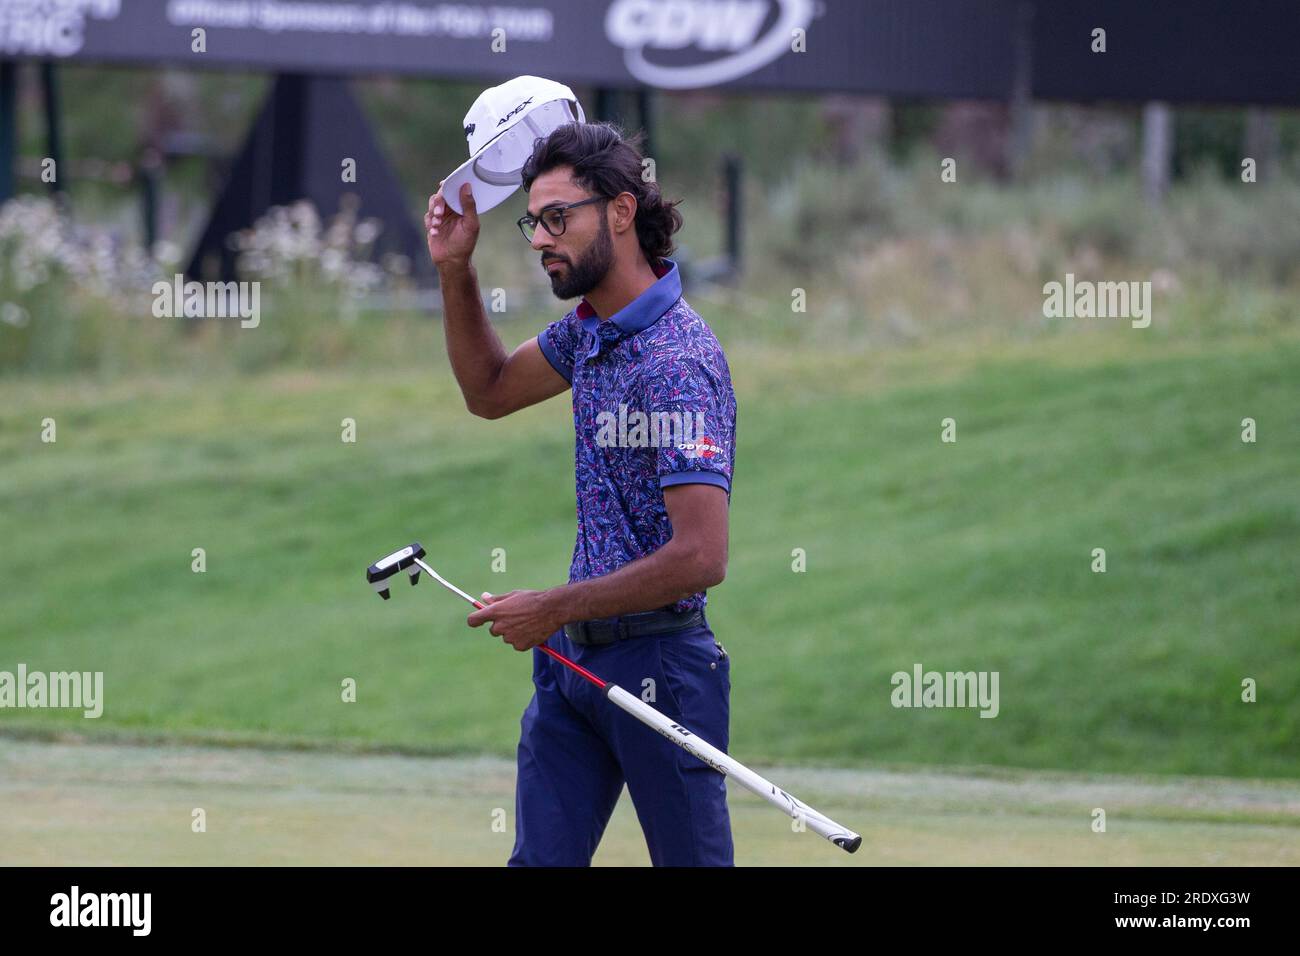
(966, 556)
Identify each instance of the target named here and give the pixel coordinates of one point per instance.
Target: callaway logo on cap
(501, 128)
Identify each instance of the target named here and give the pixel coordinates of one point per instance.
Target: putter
(383, 569)
(410, 560)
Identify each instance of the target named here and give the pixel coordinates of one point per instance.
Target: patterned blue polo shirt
(652, 407)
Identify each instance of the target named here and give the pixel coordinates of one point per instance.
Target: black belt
(611, 629)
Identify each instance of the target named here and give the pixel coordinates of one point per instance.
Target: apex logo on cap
(497, 149)
(515, 110)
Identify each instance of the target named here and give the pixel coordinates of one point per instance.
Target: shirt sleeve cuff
(695, 478)
(544, 342)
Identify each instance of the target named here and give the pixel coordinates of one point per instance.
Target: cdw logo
(732, 27)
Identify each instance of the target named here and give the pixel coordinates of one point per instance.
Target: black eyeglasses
(552, 218)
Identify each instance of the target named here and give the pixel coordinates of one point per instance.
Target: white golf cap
(501, 128)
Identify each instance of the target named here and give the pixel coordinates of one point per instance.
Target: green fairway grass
(113, 805)
(973, 555)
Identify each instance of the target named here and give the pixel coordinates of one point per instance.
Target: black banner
(1213, 50)
(1224, 907)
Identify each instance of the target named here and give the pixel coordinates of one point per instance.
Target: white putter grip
(842, 837)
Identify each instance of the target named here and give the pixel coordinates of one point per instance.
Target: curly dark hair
(607, 162)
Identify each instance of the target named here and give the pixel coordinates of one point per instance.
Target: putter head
(378, 574)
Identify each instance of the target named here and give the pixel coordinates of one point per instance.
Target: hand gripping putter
(410, 560)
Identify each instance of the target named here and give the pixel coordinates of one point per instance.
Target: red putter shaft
(719, 760)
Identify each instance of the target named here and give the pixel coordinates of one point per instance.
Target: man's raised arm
(493, 383)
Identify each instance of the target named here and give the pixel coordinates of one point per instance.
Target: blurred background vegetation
(924, 300)
(842, 199)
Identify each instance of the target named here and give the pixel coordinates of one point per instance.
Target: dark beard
(589, 271)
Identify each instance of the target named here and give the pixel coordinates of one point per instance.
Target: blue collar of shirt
(643, 311)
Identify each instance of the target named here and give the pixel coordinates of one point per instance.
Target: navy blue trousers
(577, 749)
